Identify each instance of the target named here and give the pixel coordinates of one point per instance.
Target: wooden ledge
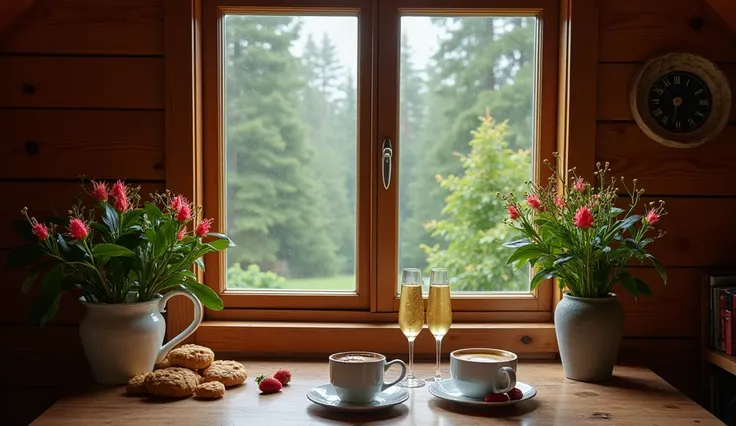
(300, 339)
(722, 360)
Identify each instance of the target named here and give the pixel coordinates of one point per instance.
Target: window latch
(387, 154)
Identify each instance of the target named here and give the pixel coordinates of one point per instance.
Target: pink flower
(121, 204)
(652, 217)
(534, 202)
(78, 229)
(583, 218)
(182, 232)
(559, 202)
(177, 201)
(39, 229)
(513, 213)
(184, 213)
(119, 190)
(579, 185)
(203, 228)
(99, 190)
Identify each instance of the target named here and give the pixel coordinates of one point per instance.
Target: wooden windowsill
(722, 360)
(256, 338)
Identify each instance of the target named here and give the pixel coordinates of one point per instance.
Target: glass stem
(437, 373)
(411, 358)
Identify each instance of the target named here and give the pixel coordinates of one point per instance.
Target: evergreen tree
(272, 211)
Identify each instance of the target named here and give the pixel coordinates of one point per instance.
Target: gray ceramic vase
(588, 334)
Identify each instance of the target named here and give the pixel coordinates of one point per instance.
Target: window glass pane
(290, 102)
(455, 74)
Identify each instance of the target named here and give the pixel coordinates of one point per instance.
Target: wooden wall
(81, 92)
(698, 185)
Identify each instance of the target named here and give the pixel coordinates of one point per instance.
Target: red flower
(583, 218)
(119, 190)
(534, 202)
(513, 213)
(78, 229)
(559, 202)
(579, 185)
(182, 232)
(39, 229)
(203, 228)
(184, 213)
(177, 201)
(99, 190)
(121, 204)
(652, 217)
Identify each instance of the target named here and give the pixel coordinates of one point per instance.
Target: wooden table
(635, 396)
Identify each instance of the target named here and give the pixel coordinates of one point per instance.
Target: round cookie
(210, 390)
(172, 382)
(229, 373)
(137, 385)
(163, 364)
(191, 356)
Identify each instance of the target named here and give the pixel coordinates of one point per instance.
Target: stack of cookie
(187, 370)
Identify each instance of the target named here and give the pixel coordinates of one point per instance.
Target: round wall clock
(680, 100)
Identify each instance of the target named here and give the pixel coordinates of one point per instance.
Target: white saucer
(325, 396)
(446, 389)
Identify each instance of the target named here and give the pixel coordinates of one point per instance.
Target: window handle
(387, 154)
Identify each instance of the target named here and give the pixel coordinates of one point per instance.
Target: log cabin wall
(82, 93)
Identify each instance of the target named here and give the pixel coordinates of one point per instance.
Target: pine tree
(272, 212)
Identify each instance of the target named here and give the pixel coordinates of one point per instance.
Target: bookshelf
(722, 360)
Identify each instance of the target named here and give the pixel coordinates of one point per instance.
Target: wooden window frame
(225, 331)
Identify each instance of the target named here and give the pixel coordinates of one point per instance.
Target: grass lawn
(338, 282)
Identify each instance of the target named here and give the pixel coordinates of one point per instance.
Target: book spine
(722, 320)
(728, 322)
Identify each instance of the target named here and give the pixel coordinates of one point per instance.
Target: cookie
(229, 373)
(210, 390)
(172, 382)
(191, 356)
(163, 364)
(137, 385)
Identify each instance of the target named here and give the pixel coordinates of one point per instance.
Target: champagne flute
(439, 312)
(411, 318)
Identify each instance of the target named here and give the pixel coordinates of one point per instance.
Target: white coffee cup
(357, 376)
(478, 372)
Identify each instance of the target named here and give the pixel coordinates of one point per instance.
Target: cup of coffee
(358, 376)
(478, 372)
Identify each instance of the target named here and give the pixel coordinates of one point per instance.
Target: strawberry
(497, 397)
(268, 385)
(283, 376)
(515, 394)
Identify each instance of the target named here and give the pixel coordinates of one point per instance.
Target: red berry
(497, 397)
(268, 385)
(515, 394)
(283, 376)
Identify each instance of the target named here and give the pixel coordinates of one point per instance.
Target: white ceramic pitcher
(122, 340)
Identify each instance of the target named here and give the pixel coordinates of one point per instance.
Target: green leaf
(627, 281)
(220, 245)
(562, 260)
(46, 305)
(209, 298)
(24, 256)
(61, 242)
(111, 220)
(129, 218)
(153, 212)
(111, 250)
(658, 266)
(28, 282)
(221, 237)
(524, 253)
(517, 243)
(626, 223)
(642, 287)
(540, 276)
(200, 263)
(615, 211)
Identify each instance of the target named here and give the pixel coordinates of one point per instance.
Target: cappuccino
(482, 357)
(357, 358)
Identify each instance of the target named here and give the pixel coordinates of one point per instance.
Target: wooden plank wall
(81, 93)
(698, 185)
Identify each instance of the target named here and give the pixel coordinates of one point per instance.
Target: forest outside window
(298, 101)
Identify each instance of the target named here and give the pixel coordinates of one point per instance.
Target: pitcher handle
(187, 331)
(510, 378)
(388, 365)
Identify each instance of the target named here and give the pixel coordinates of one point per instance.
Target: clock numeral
(664, 119)
(657, 112)
(691, 122)
(658, 90)
(703, 102)
(677, 125)
(687, 83)
(699, 91)
(676, 79)
(666, 82)
(655, 101)
(699, 114)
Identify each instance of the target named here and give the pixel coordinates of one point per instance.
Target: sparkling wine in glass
(411, 318)
(439, 312)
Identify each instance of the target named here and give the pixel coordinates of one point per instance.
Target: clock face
(679, 101)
